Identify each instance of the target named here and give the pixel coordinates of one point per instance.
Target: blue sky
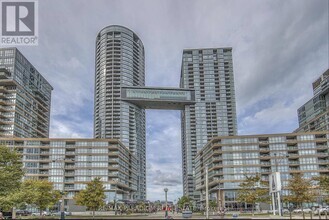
(279, 48)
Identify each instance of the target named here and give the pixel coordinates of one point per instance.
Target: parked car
(285, 211)
(307, 210)
(46, 213)
(59, 213)
(7, 215)
(23, 213)
(321, 211)
(271, 212)
(297, 211)
(35, 213)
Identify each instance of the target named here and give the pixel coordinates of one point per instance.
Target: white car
(307, 210)
(321, 211)
(297, 211)
(59, 213)
(285, 211)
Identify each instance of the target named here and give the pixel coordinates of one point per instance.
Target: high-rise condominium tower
(206, 98)
(25, 97)
(209, 72)
(314, 114)
(120, 62)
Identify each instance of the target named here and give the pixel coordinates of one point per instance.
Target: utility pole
(207, 194)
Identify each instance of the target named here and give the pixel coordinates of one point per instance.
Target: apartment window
(305, 137)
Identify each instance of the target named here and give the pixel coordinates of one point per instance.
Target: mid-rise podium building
(71, 163)
(231, 158)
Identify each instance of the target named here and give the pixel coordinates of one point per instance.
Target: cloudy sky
(279, 49)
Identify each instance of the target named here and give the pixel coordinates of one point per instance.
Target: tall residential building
(230, 158)
(210, 73)
(120, 62)
(206, 98)
(314, 114)
(25, 97)
(71, 163)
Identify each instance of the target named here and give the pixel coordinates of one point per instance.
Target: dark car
(7, 215)
(23, 213)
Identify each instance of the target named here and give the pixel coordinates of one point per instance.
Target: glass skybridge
(158, 98)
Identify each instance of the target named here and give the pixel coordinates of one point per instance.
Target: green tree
(141, 206)
(322, 186)
(300, 191)
(40, 193)
(93, 196)
(212, 205)
(253, 190)
(11, 173)
(184, 201)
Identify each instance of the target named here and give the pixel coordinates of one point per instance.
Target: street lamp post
(166, 212)
(207, 194)
(115, 199)
(175, 205)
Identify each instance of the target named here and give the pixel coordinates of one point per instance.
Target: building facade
(210, 73)
(314, 114)
(120, 62)
(230, 158)
(71, 163)
(25, 97)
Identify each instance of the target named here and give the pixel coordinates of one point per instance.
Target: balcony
(6, 102)
(322, 146)
(113, 161)
(265, 170)
(69, 188)
(70, 153)
(264, 149)
(3, 89)
(44, 158)
(4, 73)
(6, 121)
(69, 180)
(265, 163)
(44, 152)
(293, 163)
(323, 161)
(292, 148)
(216, 159)
(294, 169)
(69, 173)
(293, 155)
